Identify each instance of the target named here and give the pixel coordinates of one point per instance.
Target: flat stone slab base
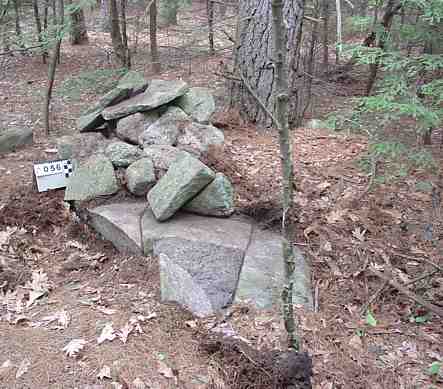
(206, 263)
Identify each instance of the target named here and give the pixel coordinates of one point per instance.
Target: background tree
(78, 33)
(155, 58)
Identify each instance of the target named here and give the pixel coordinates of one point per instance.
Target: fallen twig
(431, 307)
(419, 259)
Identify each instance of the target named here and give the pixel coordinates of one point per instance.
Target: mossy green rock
(140, 176)
(94, 177)
(14, 138)
(186, 177)
(217, 199)
(122, 154)
(198, 103)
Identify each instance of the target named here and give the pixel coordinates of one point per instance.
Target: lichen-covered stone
(122, 154)
(131, 127)
(216, 199)
(197, 138)
(140, 176)
(185, 178)
(94, 177)
(81, 146)
(198, 103)
(14, 137)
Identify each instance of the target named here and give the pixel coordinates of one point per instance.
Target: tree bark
(116, 36)
(325, 34)
(18, 30)
(127, 54)
(38, 25)
(155, 58)
(339, 32)
(210, 11)
(168, 12)
(78, 33)
(253, 60)
(53, 66)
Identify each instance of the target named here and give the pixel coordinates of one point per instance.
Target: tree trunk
(127, 54)
(253, 60)
(53, 66)
(311, 57)
(325, 34)
(390, 11)
(210, 11)
(18, 30)
(78, 33)
(104, 16)
(339, 31)
(116, 36)
(38, 25)
(155, 58)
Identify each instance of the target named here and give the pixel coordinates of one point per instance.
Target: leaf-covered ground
(74, 294)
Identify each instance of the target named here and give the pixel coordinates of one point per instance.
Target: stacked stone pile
(156, 131)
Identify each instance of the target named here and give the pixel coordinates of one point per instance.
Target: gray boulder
(185, 178)
(81, 146)
(94, 177)
(162, 157)
(120, 224)
(197, 138)
(140, 176)
(198, 103)
(262, 276)
(166, 129)
(133, 80)
(13, 138)
(159, 92)
(200, 258)
(316, 124)
(131, 127)
(216, 199)
(122, 154)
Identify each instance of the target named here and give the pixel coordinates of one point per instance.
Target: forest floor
(349, 231)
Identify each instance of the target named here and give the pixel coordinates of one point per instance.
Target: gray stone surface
(159, 92)
(140, 176)
(133, 80)
(13, 138)
(81, 146)
(94, 177)
(131, 127)
(261, 278)
(197, 138)
(122, 154)
(216, 199)
(185, 178)
(198, 103)
(202, 253)
(166, 129)
(120, 224)
(315, 124)
(162, 157)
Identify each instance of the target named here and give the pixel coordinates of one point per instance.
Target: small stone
(140, 176)
(185, 178)
(197, 138)
(131, 127)
(217, 199)
(122, 154)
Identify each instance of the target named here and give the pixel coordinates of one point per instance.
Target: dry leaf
(39, 286)
(77, 245)
(5, 236)
(355, 342)
(107, 333)
(165, 370)
(191, 323)
(23, 367)
(336, 215)
(125, 331)
(359, 234)
(105, 372)
(106, 311)
(138, 384)
(5, 368)
(74, 346)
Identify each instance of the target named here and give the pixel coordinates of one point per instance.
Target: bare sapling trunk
(210, 10)
(282, 123)
(339, 42)
(127, 54)
(325, 34)
(155, 58)
(38, 25)
(53, 66)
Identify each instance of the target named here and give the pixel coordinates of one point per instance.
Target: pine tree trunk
(116, 36)
(127, 55)
(78, 33)
(325, 34)
(38, 25)
(253, 59)
(155, 58)
(210, 12)
(18, 30)
(168, 12)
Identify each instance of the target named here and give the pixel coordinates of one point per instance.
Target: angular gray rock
(159, 92)
(140, 176)
(94, 177)
(130, 84)
(216, 199)
(262, 276)
(162, 157)
(198, 103)
(197, 138)
(120, 224)
(185, 178)
(122, 154)
(13, 138)
(315, 124)
(203, 258)
(131, 127)
(81, 146)
(166, 129)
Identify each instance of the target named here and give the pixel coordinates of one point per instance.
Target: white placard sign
(52, 174)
